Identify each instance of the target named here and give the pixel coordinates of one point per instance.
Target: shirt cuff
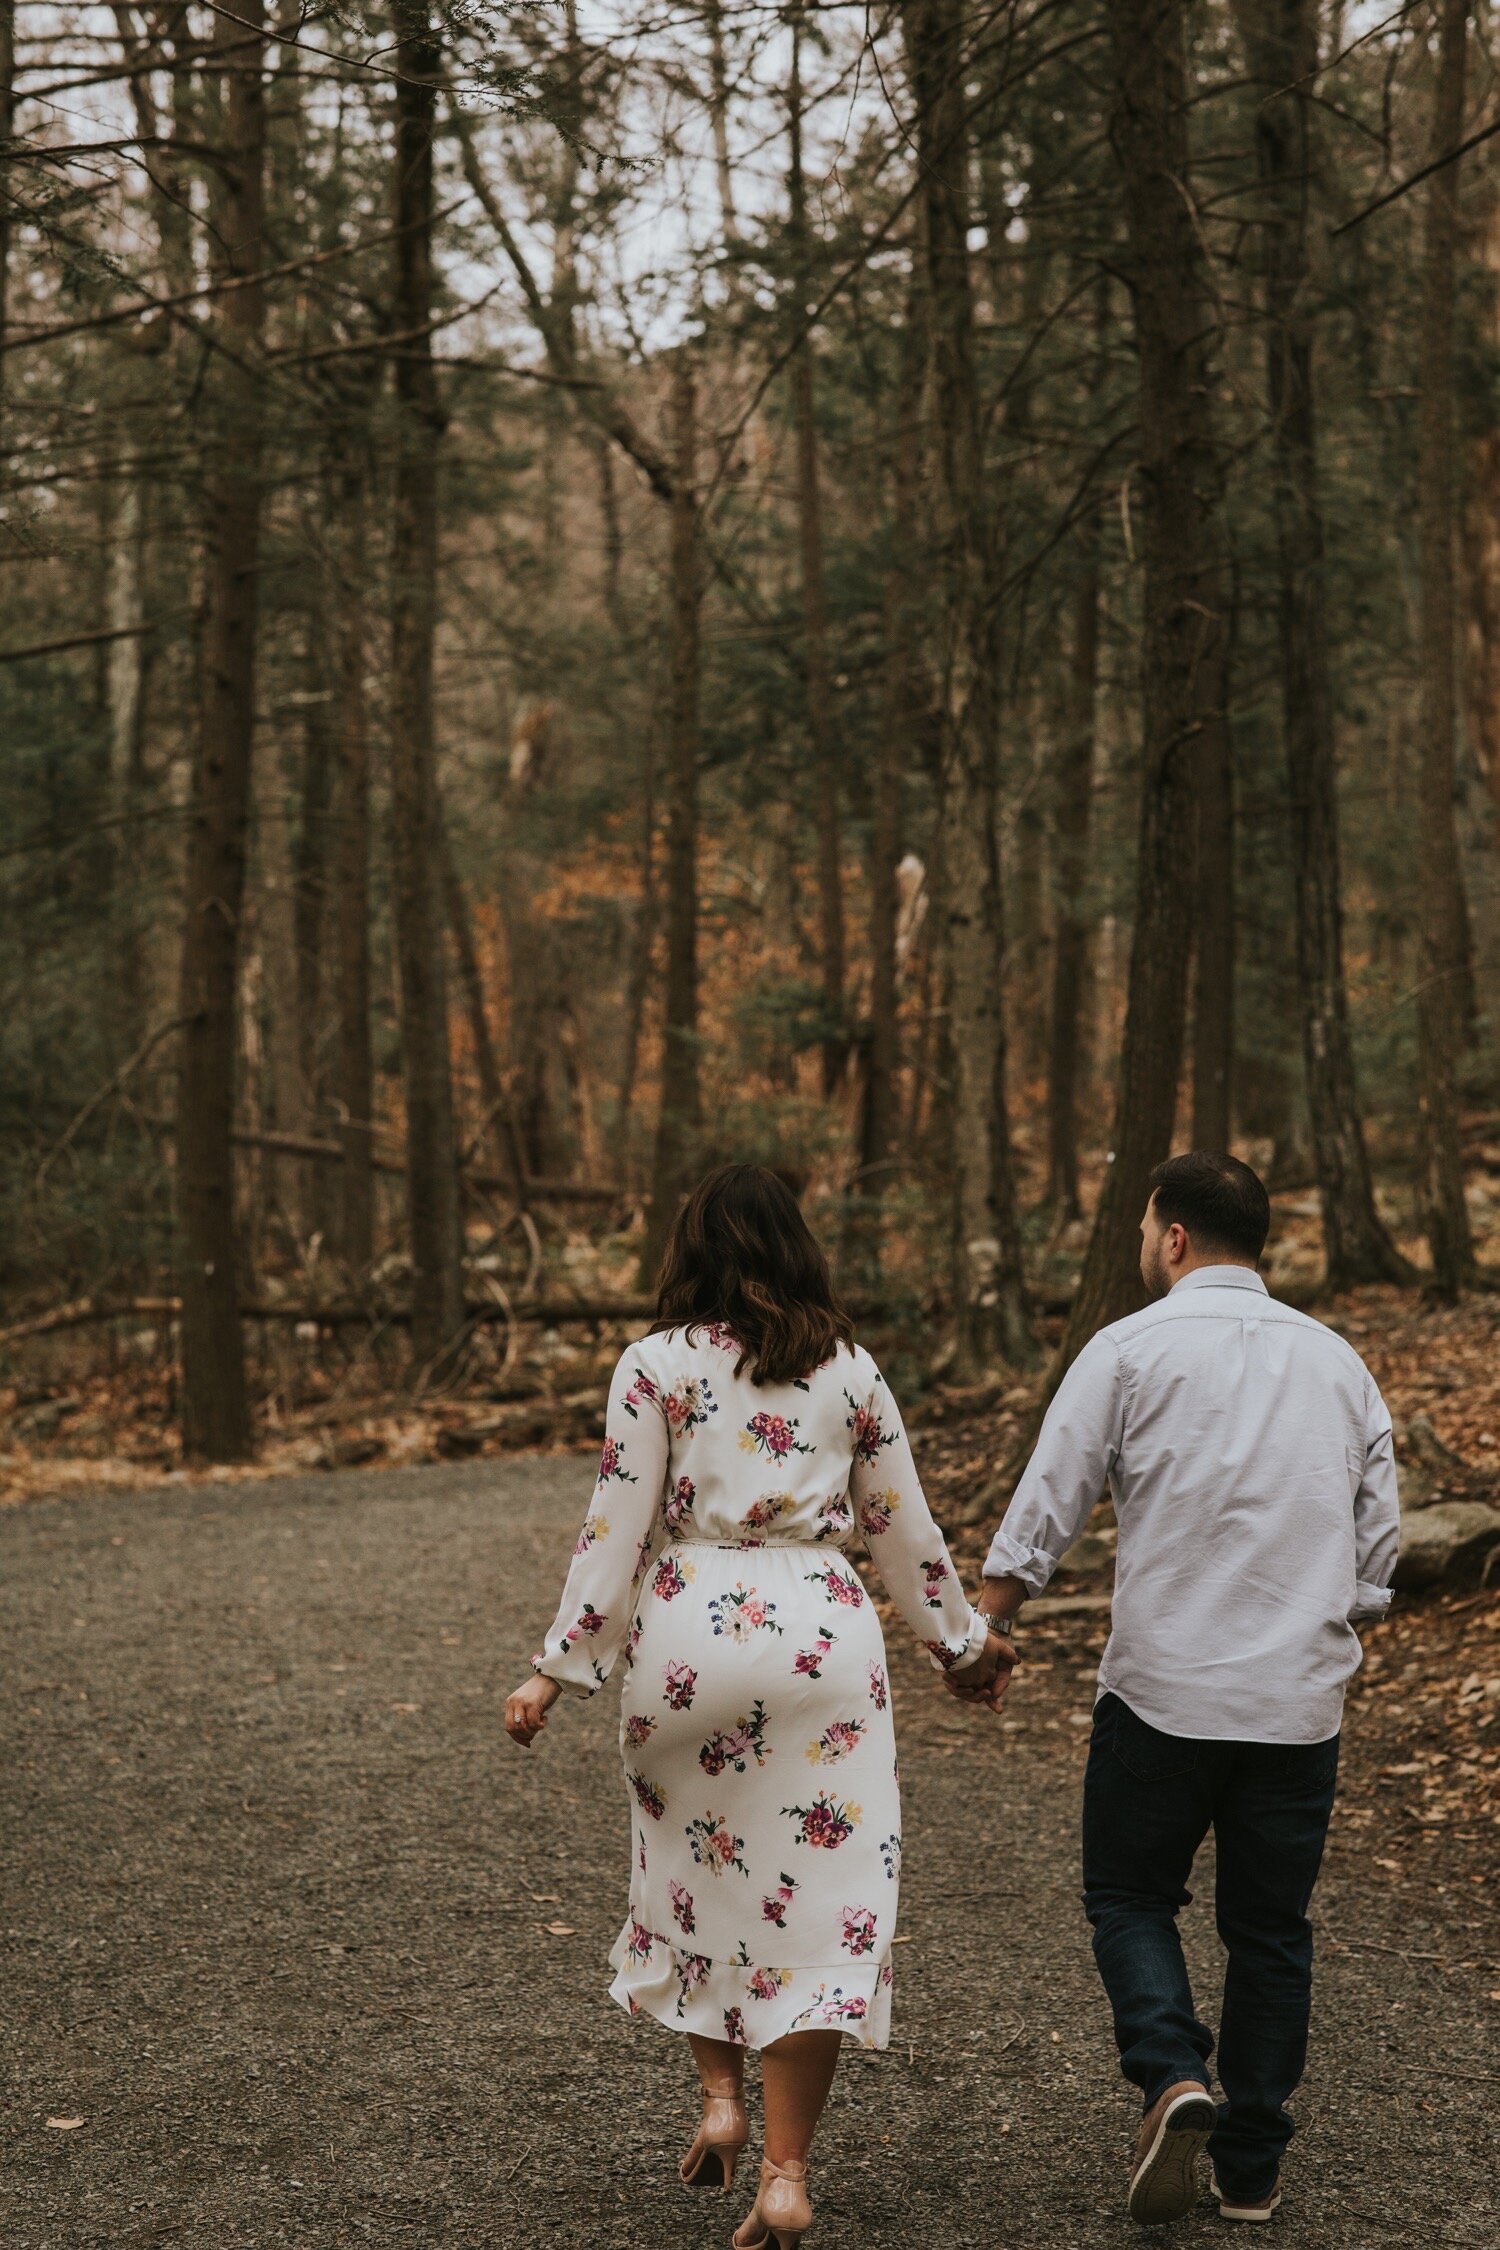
(1370, 1601)
(1007, 1558)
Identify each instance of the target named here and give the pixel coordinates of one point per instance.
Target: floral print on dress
(688, 1405)
(772, 1434)
(934, 1574)
(639, 1728)
(684, 1913)
(642, 1392)
(681, 1680)
(835, 1742)
(641, 1944)
(672, 1576)
(773, 1908)
(878, 1511)
(860, 1930)
(835, 1516)
(612, 1467)
(647, 1795)
(679, 1503)
(880, 1688)
(825, 1823)
(835, 2007)
(840, 1586)
(714, 1844)
(867, 1433)
(692, 1970)
(742, 1612)
(734, 2027)
(890, 1853)
(768, 1984)
(738, 1745)
(808, 1661)
(762, 1513)
(594, 1529)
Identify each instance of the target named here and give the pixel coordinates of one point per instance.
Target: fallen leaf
(559, 1929)
(406, 1706)
(64, 2124)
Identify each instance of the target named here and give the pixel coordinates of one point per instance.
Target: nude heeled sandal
(722, 2133)
(782, 2213)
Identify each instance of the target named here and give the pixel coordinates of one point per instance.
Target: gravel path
(276, 1894)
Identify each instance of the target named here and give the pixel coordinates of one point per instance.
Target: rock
(1413, 1486)
(1091, 1554)
(44, 1420)
(350, 1452)
(1449, 1543)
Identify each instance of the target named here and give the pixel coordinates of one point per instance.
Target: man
(1248, 1454)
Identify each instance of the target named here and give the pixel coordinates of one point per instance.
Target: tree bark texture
(991, 1318)
(1280, 39)
(499, 1114)
(1444, 954)
(432, 1173)
(354, 1073)
(215, 1400)
(820, 730)
(1213, 936)
(1481, 511)
(1185, 616)
(1071, 822)
(678, 1121)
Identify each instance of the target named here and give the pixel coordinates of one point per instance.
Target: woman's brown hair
(741, 1254)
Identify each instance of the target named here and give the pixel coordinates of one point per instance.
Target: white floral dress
(755, 1723)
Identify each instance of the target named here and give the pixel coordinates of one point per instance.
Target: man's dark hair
(1218, 1200)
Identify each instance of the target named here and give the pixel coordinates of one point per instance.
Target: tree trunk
(432, 1175)
(1481, 512)
(821, 742)
(125, 677)
(215, 1402)
(1213, 958)
(1442, 982)
(354, 1076)
(1185, 618)
(678, 1120)
(990, 1312)
(642, 948)
(499, 1115)
(1072, 818)
(718, 103)
(1280, 38)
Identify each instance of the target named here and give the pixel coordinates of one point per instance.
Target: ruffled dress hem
(748, 2003)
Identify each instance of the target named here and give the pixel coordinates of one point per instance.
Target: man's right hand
(987, 1678)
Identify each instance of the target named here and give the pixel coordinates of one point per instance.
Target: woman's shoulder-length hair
(742, 1259)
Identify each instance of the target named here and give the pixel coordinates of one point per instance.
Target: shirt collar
(1220, 1277)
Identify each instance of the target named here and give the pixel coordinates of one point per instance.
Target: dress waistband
(738, 1546)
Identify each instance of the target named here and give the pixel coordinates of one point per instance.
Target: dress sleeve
(905, 1544)
(614, 1545)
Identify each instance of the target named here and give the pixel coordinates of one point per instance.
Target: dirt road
(317, 1958)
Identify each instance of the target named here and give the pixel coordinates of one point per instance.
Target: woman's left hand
(526, 1708)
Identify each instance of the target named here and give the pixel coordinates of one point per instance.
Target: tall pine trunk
(1072, 819)
(990, 1312)
(215, 1400)
(1213, 936)
(1442, 983)
(354, 1072)
(820, 730)
(431, 1163)
(1186, 626)
(1280, 38)
(678, 1119)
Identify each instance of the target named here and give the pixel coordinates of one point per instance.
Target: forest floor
(299, 1951)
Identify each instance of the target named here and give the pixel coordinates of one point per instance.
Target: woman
(751, 1430)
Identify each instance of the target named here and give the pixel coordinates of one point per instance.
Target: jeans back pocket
(1143, 1750)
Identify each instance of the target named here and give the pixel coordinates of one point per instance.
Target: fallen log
(383, 1160)
(86, 1312)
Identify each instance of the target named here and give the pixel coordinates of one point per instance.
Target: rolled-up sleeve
(1377, 1514)
(1068, 1472)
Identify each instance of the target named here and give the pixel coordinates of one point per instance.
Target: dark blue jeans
(1149, 1799)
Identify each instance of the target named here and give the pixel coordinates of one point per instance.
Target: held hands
(986, 1679)
(526, 1708)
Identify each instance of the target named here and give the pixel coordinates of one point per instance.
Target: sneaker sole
(1165, 2182)
(1250, 2214)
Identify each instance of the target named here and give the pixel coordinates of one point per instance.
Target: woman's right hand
(526, 1708)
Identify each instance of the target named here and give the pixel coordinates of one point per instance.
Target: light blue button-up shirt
(1248, 1453)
